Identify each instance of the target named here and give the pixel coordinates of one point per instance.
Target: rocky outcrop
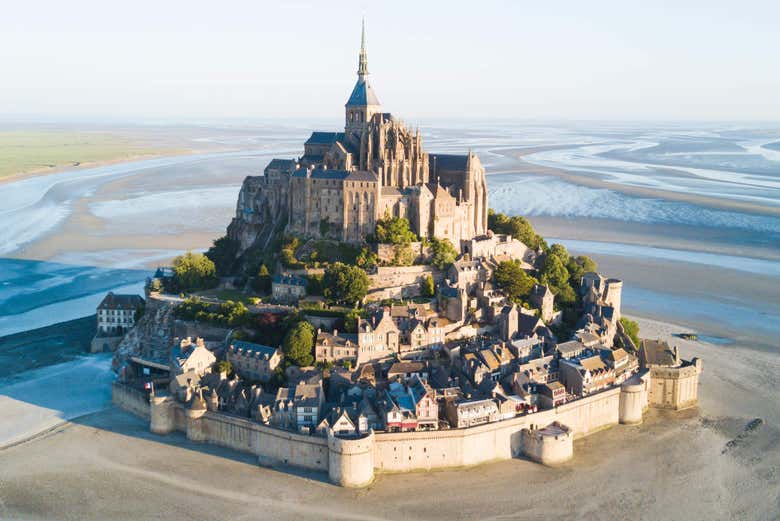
(152, 335)
(261, 212)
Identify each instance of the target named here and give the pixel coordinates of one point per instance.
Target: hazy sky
(681, 60)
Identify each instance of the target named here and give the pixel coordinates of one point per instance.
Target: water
(116, 222)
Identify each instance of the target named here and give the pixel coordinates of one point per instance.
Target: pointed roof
(362, 94)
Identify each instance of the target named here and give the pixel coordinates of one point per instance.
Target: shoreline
(42, 172)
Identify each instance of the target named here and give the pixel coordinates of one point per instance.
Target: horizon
(195, 62)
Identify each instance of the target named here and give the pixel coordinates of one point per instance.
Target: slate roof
(115, 301)
(324, 138)
(250, 348)
(448, 162)
(319, 173)
(362, 94)
(289, 280)
(281, 164)
(362, 175)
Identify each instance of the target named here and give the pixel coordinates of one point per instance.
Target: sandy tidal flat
(690, 465)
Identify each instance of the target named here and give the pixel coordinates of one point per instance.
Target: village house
(407, 370)
(335, 346)
(116, 313)
(551, 394)
(378, 337)
(586, 375)
(288, 288)
(468, 413)
(253, 361)
(570, 349)
(191, 356)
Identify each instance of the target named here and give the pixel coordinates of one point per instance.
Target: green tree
(344, 283)
(262, 281)
(443, 253)
(554, 273)
(223, 254)
(516, 226)
(427, 287)
(194, 271)
(394, 230)
(632, 330)
(560, 251)
(366, 259)
(515, 282)
(403, 255)
(351, 321)
(577, 267)
(298, 344)
(314, 284)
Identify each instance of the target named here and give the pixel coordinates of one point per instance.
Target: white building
(116, 313)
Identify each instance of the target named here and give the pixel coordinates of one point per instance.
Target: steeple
(362, 103)
(363, 60)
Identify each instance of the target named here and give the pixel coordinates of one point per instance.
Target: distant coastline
(44, 171)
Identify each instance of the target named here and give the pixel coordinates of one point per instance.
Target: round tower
(632, 399)
(161, 412)
(194, 412)
(351, 460)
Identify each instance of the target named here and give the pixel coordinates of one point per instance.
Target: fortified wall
(398, 282)
(545, 436)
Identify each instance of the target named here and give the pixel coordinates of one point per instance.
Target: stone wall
(399, 282)
(353, 462)
(129, 399)
(674, 387)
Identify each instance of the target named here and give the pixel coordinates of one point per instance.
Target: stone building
(345, 181)
(116, 313)
(253, 361)
(288, 288)
(191, 356)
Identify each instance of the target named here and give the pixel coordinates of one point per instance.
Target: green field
(32, 150)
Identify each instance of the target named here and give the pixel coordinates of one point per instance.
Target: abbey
(346, 181)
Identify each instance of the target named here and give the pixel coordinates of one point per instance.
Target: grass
(226, 294)
(26, 151)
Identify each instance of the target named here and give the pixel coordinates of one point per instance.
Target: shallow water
(137, 215)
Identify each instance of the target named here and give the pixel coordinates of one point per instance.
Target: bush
(632, 330)
(223, 366)
(194, 271)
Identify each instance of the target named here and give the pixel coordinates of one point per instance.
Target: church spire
(363, 63)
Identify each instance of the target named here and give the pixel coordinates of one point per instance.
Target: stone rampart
(549, 446)
(352, 462)
(130, 399)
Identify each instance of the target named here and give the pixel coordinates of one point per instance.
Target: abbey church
(345, 181)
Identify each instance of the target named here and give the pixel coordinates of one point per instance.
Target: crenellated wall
(352, 462)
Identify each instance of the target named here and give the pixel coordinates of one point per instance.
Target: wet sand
(592, 181)
(676, 465)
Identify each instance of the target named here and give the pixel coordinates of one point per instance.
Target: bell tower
(363, 102)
